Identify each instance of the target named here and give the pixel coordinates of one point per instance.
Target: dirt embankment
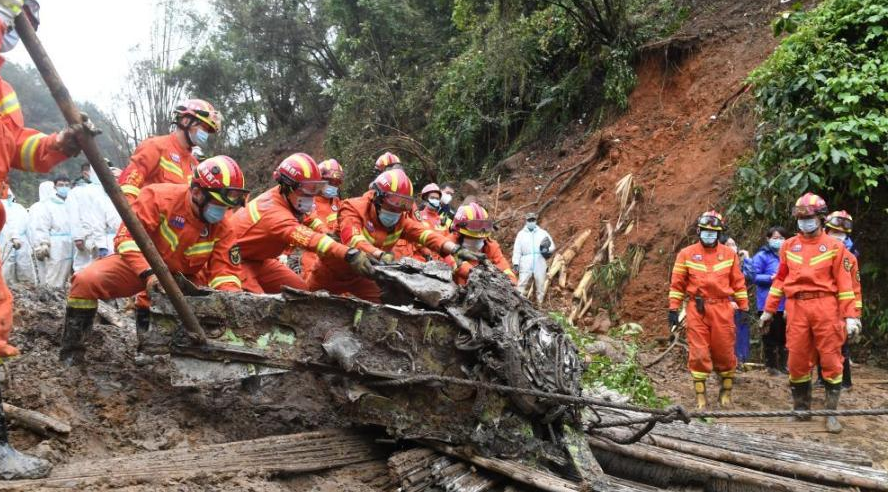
(687, 124)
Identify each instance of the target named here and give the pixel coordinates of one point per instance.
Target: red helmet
(386, 161)
(331, 170)
(299, 171)
(221, 178)
(712, 221)
(473, 221)
(809, 204)
(394, 189)
(201, 111)
(840, 221)
(429, 188)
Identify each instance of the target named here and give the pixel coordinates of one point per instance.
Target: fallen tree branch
(36, 421)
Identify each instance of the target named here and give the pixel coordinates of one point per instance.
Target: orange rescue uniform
(265, 228)
(25, 149)
(157, 160)
(360, 228)
(712, 274)
(432, 220)
(186, 244)
(494, 255)
(815, 277)
(326, 212)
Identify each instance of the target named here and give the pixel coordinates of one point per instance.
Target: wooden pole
(36, 421)
(91, 150)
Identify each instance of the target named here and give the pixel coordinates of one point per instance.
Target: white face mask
(473, 243)
(303, 204)
(445, 198)
(708, 237)
(841, 236)
(808, 225)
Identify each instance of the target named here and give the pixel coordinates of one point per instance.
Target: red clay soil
(682, 158)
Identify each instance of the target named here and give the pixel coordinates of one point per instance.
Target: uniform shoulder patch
(175, 158)
(822, 248)
(697, 257)
(847, 264)
(177, 222)
(417, 215)
(234, 254)
(796, 248)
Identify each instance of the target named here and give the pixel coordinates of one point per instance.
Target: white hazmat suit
(18, 265)
(45, 191)
(531, 264)
(52, 228)
(94, 220)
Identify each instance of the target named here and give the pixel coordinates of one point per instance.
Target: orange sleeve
(351, 223)
(776, 291)
(287, 228)
(418, 233)
(461, 274)
(495, 255)
(142, 164)
(855, 278)
(314, 223)
(679, 282)
(223, 267)
(147, 210)
(738, 285)
(36, 152)
(841, 268)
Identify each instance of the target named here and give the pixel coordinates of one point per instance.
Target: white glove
(9, 9)
(766, 318)
(41, 252)
(853, 328)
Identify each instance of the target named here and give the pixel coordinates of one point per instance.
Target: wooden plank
(712, 469)
(296, 453)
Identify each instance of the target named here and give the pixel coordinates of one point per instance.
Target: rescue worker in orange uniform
(192, 228)
(271, 224)
(708, 274)
(387, 161)
(326, 209)
(403, 248)
(815, 277)
(27, 150)
(471, 229)
(373, 223)
(427, 213)
(839, 225)
(170, 158)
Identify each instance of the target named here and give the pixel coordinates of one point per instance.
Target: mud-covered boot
(78, 323)
(833, 391)
(783, 360)
(15, 465)
(143, 321)
(801, 399)
(772, 360)
(724, 393)
(700, 390)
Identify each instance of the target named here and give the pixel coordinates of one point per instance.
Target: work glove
(16, 244)
(387, 258)
(765, 322)
(360, 262)
(465, 254)
(334, 236)
(78, 243)
(853, 328)
(673, 318)
(66, 139)
(41, 252)
(153, 284)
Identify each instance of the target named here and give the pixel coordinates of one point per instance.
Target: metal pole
(91, 150)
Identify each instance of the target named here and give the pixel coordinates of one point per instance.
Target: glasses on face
(841, 223)
(396, 201)
(479, 225)
(311, 188)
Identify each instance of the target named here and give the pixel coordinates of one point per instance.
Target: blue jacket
(759, 271)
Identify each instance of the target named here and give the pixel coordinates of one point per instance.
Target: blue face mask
(201, 137)
(62, 191)
(708, 237)
(331, 192)
(389, 218)
(434, 202)
(531, 226)
(214, 213)
(808, 225)
(775, 244)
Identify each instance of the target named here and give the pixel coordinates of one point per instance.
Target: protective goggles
(804, 211)
(710, 222)
(397, 201)
(310, 188)
(477, 225)
(333, 175)
(843, 224)
(233, 197)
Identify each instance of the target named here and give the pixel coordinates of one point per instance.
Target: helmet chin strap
(186, 129)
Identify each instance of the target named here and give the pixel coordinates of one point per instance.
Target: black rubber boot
(783, 360)
(143, 320)
(833, 392)
(78, 323)
(846, 367)
(772, 359)
(15, 465)
(801, 399)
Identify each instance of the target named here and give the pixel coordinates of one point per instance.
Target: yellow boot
(700, 390)
(724, 394)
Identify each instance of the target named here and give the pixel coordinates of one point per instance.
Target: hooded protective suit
(18, 266)
(52, 227)
(531, 264)
(44, 192)
(94, 220)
